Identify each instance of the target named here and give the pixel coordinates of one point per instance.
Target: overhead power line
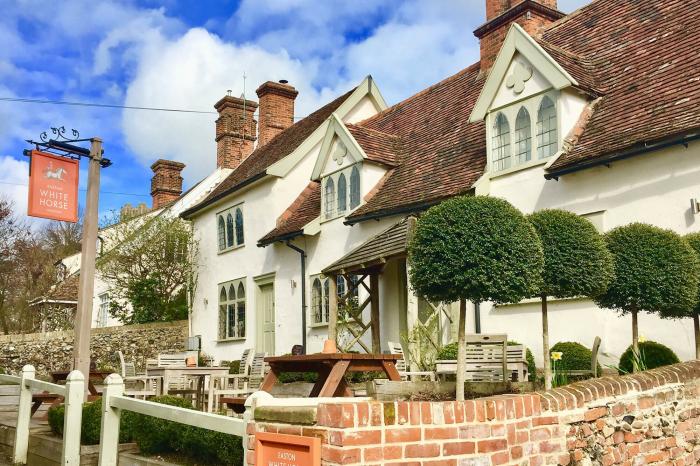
(99, 105)
(82, 189)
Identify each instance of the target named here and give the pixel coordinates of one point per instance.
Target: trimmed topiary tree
(475, 248)
(693, 240)
(576, 263)
(652, 353)
(655, 271)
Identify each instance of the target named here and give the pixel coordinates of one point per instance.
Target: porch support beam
(333, 308)
(374, 321)
(411, 318)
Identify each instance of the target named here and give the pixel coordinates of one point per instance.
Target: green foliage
(155, 435)
(576, 260)
(477, 248)
(655, 271)
(449, 352)
(575, 356)
(91, 423)
(653, 355)
(693, 239)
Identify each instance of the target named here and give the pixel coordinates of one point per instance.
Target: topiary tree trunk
(635, 340)
(545, 345)
(696, 324)
(461, 350)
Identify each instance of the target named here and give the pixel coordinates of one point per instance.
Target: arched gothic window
(316, 300)
(547, 143)
(330, 198)
(354, 187)
(222, 233)
(239, 227)
(229, 230)
(523, 136)
(342, 194)
(500, 143)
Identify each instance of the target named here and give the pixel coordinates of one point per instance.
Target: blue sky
(185, 54)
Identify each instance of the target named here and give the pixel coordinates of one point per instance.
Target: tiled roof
(444, 154)
(65, 291)
(378, 146)
(279, 147)
(647, 67)
(639, 56)
(305, 208)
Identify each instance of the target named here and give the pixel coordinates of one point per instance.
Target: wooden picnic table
(168, 373)
(331, 369)
(61, 376)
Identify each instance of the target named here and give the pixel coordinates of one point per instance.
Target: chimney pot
(276, 108)
(166, 183)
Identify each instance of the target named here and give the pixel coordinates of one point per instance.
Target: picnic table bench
(60, 376)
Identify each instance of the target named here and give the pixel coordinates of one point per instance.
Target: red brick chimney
(532, 15)
(236, 130)
(276, 109)
(166, 184)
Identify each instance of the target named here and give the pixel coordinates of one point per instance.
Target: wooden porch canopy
(366, 262)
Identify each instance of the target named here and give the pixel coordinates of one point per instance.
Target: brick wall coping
(12, 338)
(354, 412)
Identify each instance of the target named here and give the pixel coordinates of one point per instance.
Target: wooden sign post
(86, 287)
(286, 450)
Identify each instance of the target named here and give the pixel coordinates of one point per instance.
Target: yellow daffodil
(642, 339)
(556, 355)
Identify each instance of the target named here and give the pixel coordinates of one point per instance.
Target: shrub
(449, 352)
(91, 423)
(575, 356)
(155, 435)
(652, 353)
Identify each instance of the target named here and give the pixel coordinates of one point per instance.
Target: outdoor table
(331, 369)
(61, 376)
(169, 372)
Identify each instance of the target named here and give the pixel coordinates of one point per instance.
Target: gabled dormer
(351, 161)
(529, 104)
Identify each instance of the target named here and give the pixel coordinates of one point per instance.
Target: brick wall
(276, 111)
(647, 418)
(236, 131)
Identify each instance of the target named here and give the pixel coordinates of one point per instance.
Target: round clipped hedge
(449, 352)
(575, 356)
(653, 355)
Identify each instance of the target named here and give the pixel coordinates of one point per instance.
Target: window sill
(230, 340)
(319, 325)
(232, 248)
(517, 168)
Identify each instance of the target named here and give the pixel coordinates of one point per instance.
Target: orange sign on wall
(286, 450)
(53, 187)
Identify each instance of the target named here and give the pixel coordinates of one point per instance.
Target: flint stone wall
(53, 351)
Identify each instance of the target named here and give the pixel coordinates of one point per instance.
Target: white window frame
(224, 320)
(234, 239)
(323, 301)
(102, 310)
(335, 176)
(532, 105)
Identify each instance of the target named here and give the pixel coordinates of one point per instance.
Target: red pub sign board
(53, 187)
(286, 450)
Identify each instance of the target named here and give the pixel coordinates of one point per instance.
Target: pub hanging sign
(53, 187)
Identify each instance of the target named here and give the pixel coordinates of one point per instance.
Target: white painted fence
(73, 393)
(114, 401)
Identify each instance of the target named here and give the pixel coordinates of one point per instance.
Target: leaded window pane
(342, 194)
(326, 300)
(523, 136)
(340, 287)
(316, 300)
(547, 139)
(239, 227)
(330, 198)
(354, 187)
(229, 230)
(231, 324)
(221, 233)
(240, 322)
(500, 144)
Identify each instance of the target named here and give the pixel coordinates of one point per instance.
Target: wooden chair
(594, 361)
(230, 384)
(517, 363)
(171, 360)
(402, 367)
(486, 359)
(138, 385)
(236, 400)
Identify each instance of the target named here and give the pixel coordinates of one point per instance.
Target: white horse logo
(56, 174)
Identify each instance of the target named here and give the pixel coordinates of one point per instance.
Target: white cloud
(194, 72)
(14, 177)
